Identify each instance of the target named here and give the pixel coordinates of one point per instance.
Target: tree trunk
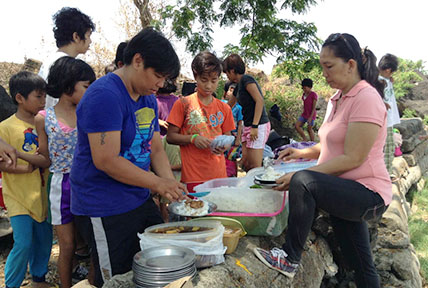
(145, 15)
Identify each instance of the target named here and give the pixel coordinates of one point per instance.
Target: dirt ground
(6, 244)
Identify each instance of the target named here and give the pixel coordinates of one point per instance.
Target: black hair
(307, 83)
(69, 20)
(206, 63)
(235, 62)
(168, 87)
(156, 51)
(119, 53)
(229, 84)
(188, 88)
(388, 61)
(24, 83)
(346, 46)
(65, 73)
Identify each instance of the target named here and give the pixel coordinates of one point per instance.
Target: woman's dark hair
(307, 83)
(24, 83)
(67, 21)
(65, 73)
(346, 46)
(206, 63)
(235, 62)
(168, 87)
(156, 51)
(388, 61)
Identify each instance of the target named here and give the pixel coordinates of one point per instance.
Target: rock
(410, 130)
(7, 107)
(418, 152)
(32, 65)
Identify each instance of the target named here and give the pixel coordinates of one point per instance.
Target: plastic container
(231, 238)
(207, 245)
(215, 228)
(262, 212)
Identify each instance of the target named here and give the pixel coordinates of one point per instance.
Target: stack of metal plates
(159, 266)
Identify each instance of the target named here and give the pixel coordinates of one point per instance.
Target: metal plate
(265, 185)
(162, 278)
(173, 209)
(259, 179)
(164, 258)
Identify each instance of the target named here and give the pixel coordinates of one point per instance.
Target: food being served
(193, 207)
(271, 175)
(179, 229)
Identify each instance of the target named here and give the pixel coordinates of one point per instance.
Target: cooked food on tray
(193, 207)
(179, 229)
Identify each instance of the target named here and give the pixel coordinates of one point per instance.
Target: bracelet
(254, 125)
(192, 139)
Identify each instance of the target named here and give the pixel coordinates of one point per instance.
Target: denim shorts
(304, 120)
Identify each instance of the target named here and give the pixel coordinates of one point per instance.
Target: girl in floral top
(56, 127)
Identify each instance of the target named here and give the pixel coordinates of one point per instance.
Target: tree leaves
(264, 30)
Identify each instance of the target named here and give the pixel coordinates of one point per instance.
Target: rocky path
(6, 244)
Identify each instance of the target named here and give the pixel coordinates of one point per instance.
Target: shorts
(59, 196)
(304, 120)
(113, 239)
(264, 130)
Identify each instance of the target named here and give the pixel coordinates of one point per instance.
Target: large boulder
(7, 107)
(416, 99)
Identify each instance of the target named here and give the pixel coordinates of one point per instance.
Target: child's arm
(314, 107)
(19, 169)
(41, 159)
(173, 136)
(239, 135)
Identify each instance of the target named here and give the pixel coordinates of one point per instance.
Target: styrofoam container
(199, 236)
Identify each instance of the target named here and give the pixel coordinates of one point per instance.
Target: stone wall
(322, 264)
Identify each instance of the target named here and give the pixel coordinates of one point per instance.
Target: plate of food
(192, 208)
(268, 177)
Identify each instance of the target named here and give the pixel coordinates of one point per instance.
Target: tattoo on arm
(103, 136)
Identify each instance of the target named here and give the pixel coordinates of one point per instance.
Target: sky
(385, 26)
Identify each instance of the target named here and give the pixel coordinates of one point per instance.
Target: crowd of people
(98, 159)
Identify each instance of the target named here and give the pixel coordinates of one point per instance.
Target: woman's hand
(254, 134)
(202, 142)
(8, 154)
(290, 153)
(283, 182)
(171, 190)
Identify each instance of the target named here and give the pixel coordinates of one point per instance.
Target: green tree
(263, 31)
(407, 75)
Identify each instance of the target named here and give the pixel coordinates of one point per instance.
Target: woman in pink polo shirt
(350, 182)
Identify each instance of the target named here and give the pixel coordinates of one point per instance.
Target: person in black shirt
(256, 121)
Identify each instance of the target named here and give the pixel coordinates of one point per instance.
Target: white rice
(186, 210)
(271, 175)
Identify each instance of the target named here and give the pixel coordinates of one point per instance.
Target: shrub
(406, 76)
(409, 113)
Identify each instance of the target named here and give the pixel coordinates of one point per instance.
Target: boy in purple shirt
(309, 114)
